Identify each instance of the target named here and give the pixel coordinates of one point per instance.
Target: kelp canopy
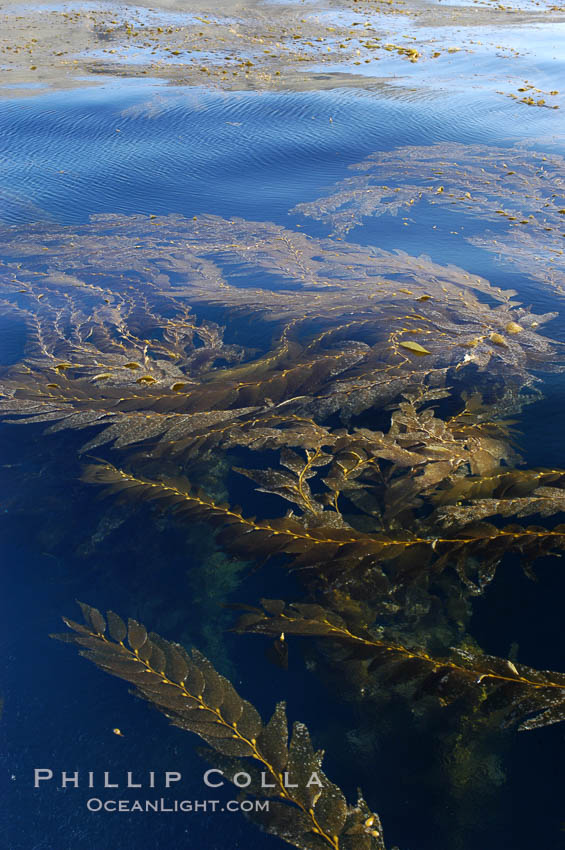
(126, 304)
(368, 393)
(514, 198)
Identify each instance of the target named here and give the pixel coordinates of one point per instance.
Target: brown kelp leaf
(137, 634)
(303, 766)
(331, 809)
(93, 618)
(272, 742)
(177, 664)
(116, 627)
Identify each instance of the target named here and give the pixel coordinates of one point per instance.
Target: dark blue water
(146, 148)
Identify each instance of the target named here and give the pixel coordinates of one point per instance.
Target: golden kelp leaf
(415, 347)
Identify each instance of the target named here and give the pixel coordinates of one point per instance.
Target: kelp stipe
(186, 688)
(516, 693)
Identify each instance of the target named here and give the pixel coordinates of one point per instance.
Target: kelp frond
(335, 548)
(525, 696)
(186, 688)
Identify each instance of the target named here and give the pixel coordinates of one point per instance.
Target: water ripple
(163, 149)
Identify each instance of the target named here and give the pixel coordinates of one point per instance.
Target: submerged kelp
(519, 191)
(513, 691)
(373, 396)
(339, 331)
(391, 485)
(308, 811)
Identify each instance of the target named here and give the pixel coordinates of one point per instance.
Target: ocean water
(146, 148)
